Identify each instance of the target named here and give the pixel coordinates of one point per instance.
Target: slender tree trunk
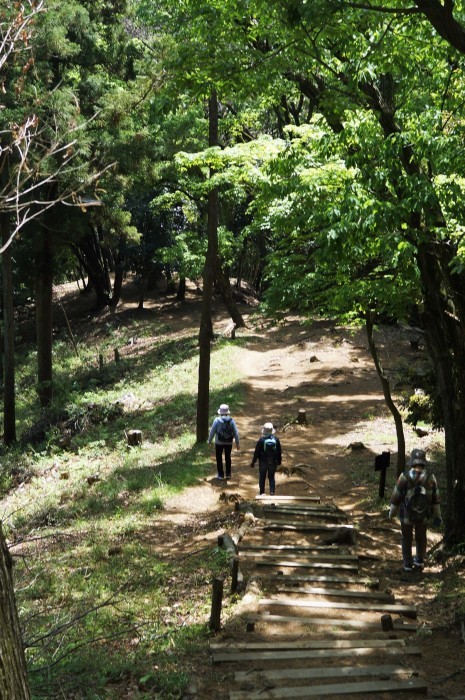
(181, 293)
(387, 394)
(44, 295)
(9, 405)
(206, 328)
(13, 676)
(226, 294)
(444, 325)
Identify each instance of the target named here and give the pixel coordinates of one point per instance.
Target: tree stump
(302, 417)
(134, 437)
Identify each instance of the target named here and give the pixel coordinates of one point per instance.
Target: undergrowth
(106, 606)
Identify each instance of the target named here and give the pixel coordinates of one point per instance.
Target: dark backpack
(417, 504)
(270, 450)
(225, 432)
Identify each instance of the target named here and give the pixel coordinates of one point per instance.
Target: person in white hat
(415, 499)
(268, 453)
(224, 431)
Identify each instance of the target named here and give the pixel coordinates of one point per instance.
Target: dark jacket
(259, 453)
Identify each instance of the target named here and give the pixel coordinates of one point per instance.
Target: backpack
(269, 449)
(225, 431)
(417, 504)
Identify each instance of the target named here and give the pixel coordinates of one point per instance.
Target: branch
(381, 8)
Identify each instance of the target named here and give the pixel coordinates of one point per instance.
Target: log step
(255, 656)
(302, 527)
(407, 610)
(329, 548)
(317, 564)
(329, 515)
(413, 685)
(293, 645)
(385, 670)
(322, 578)
(398, 626)
(287, 499)
(319, 556)
(341, 593)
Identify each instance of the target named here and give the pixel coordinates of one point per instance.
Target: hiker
(416, 499)
(268, 453)
(224, 430)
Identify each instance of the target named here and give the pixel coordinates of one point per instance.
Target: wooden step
(292, 644)
(256, 656)
(287, 499)
(299, 507)
(324, 514)
(398, 608)
(296, 526)
(412, 685)
(340, 593)
(322, 578)
(398, 626)
(271, 674)
(290, 556)
(308, 564)
(329, 548)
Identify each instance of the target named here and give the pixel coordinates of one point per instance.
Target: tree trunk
(387, 395)
(226, 294)
(13, 675)
(44, 295)
(444, 324)
(206, 328)
(181, 293)
(9, 405)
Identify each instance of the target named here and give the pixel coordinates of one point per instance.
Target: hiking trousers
(407, 542)
(265, 470)
(227, 449)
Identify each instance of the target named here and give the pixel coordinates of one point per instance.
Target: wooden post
(386, 623)
(217, 601)
(100, 362)
(134, 437)
(381, 464)
(116, 355)
(301, 416)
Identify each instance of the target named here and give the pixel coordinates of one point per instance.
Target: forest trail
(327, 372)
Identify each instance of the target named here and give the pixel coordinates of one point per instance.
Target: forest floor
(327, 371)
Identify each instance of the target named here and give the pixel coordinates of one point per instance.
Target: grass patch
(104, 603)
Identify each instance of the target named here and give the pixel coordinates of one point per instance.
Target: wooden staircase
(318, 627)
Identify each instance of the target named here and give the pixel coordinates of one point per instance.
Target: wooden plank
(295, 526)
(340, 592)
(306, 564)
(291, 507)
(307, 644)
(324, 672)
(289, 548)
(287, 499)
(255, 656)
(323, 578)
(411, 685)
(276, 513)
(320, 556)
(331, 622)
(408, 610)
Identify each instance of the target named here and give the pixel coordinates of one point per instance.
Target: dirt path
(329, 373)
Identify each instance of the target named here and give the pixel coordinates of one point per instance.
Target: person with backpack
(268, 453)
(415, 499)
(224, 431)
